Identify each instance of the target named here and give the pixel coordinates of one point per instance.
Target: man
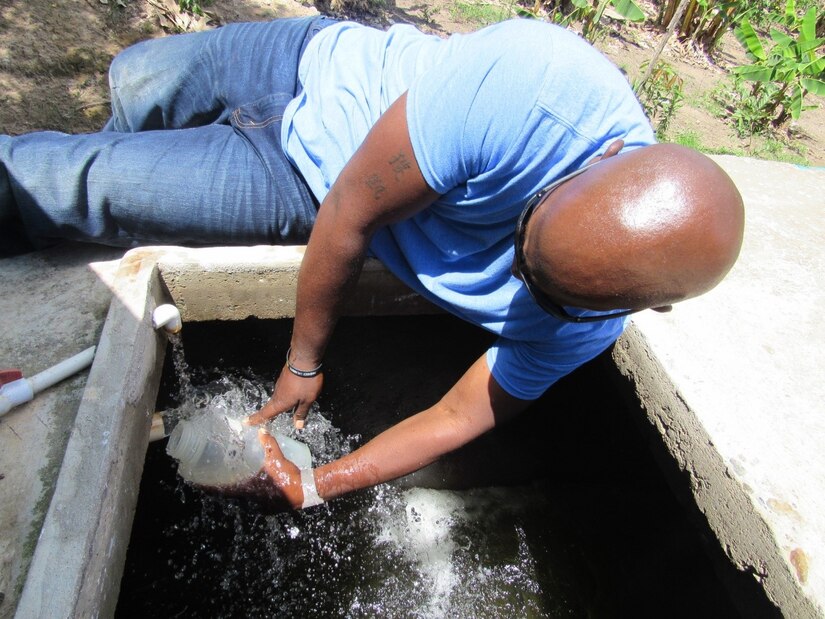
(461, 163)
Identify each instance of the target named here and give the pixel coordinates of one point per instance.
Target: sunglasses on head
(539, 296)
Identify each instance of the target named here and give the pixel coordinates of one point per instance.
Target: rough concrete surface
(53, 305)
(87, 526)
(88, 523)
(233, 283)
(747, 361)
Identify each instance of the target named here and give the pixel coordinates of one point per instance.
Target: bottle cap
(186, 443)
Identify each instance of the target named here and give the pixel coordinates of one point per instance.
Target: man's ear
(612, 150)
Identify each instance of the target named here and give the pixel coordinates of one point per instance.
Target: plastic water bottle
(218, 451)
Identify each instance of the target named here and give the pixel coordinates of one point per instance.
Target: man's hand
(292, 394)
(284, 474)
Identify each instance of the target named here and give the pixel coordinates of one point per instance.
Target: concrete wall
(86, 529)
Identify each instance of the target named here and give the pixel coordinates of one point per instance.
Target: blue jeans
(191, 155)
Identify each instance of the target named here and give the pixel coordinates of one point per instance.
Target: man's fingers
(267, 412)
(299, 417)
(255, 418)
(269, 443)
(613, 149)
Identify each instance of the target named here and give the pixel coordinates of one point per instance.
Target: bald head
(641, 229)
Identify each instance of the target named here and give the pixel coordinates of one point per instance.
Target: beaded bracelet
(302, 373)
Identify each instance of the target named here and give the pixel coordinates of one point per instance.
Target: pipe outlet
(167, 317)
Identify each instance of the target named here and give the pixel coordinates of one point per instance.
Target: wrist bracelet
(311, 496)
(302, 373)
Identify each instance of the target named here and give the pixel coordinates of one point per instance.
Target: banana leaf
(629, 10)
(796, 103)
(754, 73)
(815, 86)
(747, 36)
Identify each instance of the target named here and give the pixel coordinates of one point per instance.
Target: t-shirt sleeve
(526, 370)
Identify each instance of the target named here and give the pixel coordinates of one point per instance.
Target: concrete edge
(234, 283)
(78, 562)
(744, 536)
(88, 524)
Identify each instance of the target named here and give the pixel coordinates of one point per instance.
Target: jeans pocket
(289, 199)
(261, 113)
(259, 123)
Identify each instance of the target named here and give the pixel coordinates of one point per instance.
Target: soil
(54, 56)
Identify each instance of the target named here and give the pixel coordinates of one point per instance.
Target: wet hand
(291, 394)
(284, 474)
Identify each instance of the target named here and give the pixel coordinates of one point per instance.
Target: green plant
(587, 12)
(783, 73)
(427, 14)
(483, 13)
(704, 21)
(661, 95)
(690, 139)
(625, 9)
(561, 12)
(713, 101)
(775, 150)
(191, 6)
(748, 108)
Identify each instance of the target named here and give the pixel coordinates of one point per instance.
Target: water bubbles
(380, 552)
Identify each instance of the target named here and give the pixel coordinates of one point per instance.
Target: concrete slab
(53, 305)
(743, 414)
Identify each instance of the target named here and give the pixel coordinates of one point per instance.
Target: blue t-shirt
(493, 116)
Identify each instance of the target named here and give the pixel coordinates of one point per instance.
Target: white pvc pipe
(158, 429)
(24, 389)
(62, 370)
(167, 317)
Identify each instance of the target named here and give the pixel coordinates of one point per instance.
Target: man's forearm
(329, 272)
(473, 406)
(406, 447)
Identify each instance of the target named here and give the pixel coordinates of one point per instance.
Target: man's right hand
(292, 394)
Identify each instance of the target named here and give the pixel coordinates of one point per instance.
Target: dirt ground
(54, 56)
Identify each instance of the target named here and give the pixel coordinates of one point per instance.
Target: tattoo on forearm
(400, 164)
(376, 184)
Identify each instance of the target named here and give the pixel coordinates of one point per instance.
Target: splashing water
(185, 390)
(601, 536)
(382, 552)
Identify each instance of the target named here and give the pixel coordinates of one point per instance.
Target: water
(236, 396)
(429, 549)
(387, 552)
(590, 531)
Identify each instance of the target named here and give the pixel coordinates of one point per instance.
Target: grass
(711, 101)
(769, 148)
(482, 13)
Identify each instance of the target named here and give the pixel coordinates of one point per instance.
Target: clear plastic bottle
(218, 451)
